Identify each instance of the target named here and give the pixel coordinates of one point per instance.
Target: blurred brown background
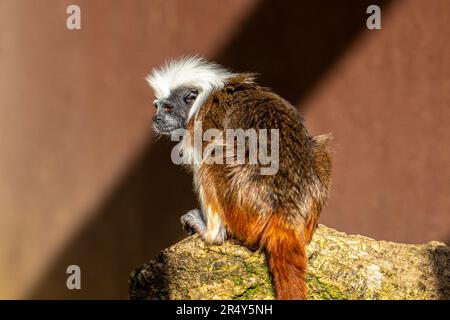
(83, 182)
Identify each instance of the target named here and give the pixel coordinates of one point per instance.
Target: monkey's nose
(157, 119)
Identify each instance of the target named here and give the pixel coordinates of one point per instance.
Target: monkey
(277, 213)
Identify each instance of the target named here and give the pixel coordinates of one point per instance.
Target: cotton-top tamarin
(277, 212)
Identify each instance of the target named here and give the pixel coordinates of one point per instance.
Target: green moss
(237, 281)
(249, 293)
(253, 268)
(324, 291)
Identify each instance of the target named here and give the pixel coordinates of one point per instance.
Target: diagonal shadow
(292, 44)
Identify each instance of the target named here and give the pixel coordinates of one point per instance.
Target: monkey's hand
(193, 222)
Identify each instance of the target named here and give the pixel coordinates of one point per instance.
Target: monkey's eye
(155, 104)
(190, 96)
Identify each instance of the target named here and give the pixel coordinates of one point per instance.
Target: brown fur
(277, 212)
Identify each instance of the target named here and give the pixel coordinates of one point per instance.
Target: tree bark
(341, 266)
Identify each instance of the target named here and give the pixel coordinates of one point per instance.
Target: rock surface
(341, 266)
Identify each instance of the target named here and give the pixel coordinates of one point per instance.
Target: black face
(172, 112)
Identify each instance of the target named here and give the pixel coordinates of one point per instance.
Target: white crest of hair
(192, 72)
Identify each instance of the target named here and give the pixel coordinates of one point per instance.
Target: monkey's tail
(323, 152)
(286, 255)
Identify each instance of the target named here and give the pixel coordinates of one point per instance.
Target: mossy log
(341, 266)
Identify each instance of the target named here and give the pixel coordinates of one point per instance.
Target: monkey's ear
(190, 96)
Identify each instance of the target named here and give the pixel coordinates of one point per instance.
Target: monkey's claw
(193, 222)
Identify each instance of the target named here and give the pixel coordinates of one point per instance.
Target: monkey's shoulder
(244, 94)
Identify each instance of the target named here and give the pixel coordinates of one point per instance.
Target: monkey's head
(171, 112)
(181, 87)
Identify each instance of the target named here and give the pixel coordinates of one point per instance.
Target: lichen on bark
(341, 266)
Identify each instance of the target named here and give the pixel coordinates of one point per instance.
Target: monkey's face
(172, 112)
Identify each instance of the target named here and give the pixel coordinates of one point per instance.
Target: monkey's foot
(193, 222)
(215, 235)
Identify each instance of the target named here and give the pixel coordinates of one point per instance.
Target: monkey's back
(298, 190)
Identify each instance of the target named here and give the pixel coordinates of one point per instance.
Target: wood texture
(341, 266)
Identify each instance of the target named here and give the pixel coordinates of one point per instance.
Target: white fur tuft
(189, 71)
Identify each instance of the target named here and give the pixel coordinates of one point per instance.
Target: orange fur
(284, 242)
(287, 259)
